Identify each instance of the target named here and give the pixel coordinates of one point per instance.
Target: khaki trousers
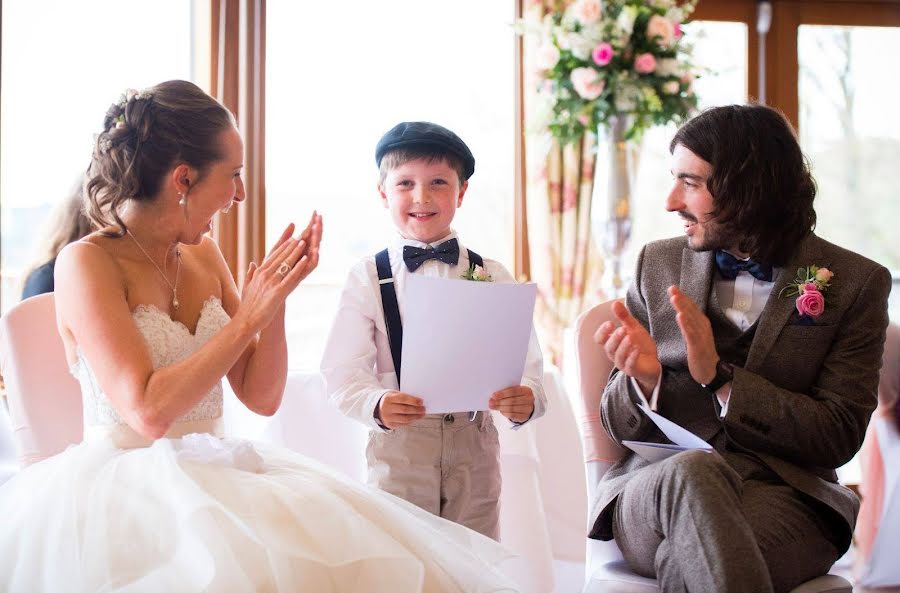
(445, 464)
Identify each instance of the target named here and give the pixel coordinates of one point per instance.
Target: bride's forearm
(174, 390)
(265, 374)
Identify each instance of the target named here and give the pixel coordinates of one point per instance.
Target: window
(850, 131)
(721, 49)
(59, 74)
(335, 85)
(827, 72)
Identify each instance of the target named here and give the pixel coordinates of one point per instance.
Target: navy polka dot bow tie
(447, 252)
(729, 266)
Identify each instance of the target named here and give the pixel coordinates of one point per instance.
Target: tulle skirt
(204, 514)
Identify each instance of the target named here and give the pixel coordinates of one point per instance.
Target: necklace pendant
(175, 303)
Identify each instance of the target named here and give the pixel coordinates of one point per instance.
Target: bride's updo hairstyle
(145, 134)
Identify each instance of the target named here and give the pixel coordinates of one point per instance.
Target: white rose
(586, 11)
(587, 83)
(562, 38)
(660, 29)
(667, 67)
(627, 97)
(675, 15)
(580, 46)
(671, 88)
(626, 20)
(547, 56)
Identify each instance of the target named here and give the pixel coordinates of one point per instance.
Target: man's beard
(714, 236)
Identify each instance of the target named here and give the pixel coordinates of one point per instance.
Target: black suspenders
(389, 303)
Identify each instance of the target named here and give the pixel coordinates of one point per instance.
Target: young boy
(447, 464)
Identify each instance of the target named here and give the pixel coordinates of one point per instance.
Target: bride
(154, 499)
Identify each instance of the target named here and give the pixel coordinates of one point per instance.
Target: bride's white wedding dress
(193, 512)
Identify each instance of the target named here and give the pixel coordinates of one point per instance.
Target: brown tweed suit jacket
(800, 405)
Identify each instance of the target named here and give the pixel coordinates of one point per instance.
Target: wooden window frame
(783, 69)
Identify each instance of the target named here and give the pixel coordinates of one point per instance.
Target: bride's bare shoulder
(90, 258)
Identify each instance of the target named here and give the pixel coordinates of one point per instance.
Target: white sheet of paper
(463, 340)
(654, 451)
(678, 435)
(683, 439)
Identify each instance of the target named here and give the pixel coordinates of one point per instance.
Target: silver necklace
(174, 287)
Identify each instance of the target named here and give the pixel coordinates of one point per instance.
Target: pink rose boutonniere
(809, 287)
(476, 274)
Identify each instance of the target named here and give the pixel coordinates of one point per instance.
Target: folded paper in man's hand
(682, 439)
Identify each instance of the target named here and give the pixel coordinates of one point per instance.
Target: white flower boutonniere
(477, 274)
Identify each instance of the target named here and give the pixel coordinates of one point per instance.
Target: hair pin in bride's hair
(104, 144)
(131, 95)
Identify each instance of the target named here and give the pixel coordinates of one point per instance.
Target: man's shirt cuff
(654, 397)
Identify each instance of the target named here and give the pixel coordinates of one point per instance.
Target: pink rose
(811, 303)
(603, 54)
(645, 63)
(810, 287)
(676, 31)
(587, 83)
(660, 29)
(586, 12)
(824, 275)
(583, 119)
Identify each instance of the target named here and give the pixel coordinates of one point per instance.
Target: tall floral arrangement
(598, 60)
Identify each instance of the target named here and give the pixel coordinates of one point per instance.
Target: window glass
(63, 63)
(331, 94)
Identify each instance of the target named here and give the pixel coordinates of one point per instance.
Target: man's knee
(699, 466)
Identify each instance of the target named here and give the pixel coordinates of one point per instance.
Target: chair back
(879, 517)
(44, 398)
(600, 451)
(593, 369)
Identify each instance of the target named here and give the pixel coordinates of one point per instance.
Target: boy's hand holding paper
(516, 403)
(398, 409)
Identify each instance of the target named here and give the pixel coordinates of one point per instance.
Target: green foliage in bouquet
(597, 61)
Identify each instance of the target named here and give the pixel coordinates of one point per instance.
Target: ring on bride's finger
(283, 269)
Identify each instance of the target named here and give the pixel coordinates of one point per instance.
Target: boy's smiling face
(423, 196)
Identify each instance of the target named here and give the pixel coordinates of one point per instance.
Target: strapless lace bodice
(168, 342)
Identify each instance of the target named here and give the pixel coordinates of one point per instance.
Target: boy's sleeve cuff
(373, 419)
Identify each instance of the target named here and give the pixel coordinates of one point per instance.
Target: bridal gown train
(194, 512)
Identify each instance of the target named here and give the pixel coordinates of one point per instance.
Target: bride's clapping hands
(291, 259)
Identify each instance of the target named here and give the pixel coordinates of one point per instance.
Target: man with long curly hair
(761, 338)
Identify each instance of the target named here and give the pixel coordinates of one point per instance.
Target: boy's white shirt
(357, 364)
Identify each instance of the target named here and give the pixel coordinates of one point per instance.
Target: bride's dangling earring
(183, 200)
